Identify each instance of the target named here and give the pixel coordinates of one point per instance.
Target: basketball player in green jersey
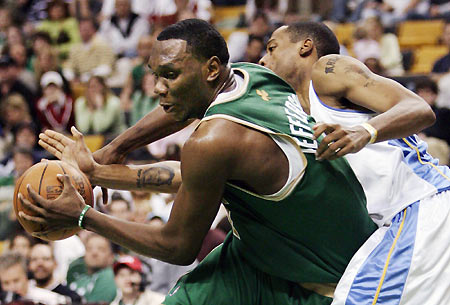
(296, 221)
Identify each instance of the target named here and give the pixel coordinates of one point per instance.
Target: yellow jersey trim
(425, 162)
(400, 229)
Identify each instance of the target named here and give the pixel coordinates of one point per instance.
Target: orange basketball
(42, 178)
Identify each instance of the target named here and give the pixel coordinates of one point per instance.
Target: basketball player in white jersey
(406, 261)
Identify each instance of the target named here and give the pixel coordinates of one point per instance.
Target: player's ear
(213, 68)
(306, 48)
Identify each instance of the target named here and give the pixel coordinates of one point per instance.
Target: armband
(372, 131)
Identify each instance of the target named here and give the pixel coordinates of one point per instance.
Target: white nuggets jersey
(393, 173)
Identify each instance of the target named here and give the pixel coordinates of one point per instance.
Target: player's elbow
(425, 115)
(182, 255)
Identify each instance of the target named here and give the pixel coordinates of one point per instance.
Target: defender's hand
(339, 141)
(74, 152)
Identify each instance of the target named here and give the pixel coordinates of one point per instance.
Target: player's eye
(270, 49)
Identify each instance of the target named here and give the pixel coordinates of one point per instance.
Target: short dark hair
(323, 38)
(10, 259)
(203, 39)
(427, 83)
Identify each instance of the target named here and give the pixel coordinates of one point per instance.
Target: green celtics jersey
(310, 231)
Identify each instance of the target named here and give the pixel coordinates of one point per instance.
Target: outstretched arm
(154, 126)
(163, 177)
(205, 168)
(401, 112)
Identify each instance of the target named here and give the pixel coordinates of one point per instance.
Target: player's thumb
(76, 134)
(65, 180)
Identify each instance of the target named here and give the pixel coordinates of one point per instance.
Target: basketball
(42, 178)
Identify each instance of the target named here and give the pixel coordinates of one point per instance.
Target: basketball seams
(42, 178)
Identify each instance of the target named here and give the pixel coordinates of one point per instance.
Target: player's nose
(262, 61)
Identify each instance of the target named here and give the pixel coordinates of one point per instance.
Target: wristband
(81, 218)
(372, 131)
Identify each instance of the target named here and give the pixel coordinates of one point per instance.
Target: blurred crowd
(83, 63)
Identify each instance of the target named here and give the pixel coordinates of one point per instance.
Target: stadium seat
(413, 34)
(344, 33)
(226, 17)
(94, 142)
(425, 57)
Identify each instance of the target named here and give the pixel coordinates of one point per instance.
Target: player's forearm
(409, 116)
(154, 126)
(161, 177)
(152, 240)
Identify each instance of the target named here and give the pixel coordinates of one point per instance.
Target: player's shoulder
(332, 74)
(334, 64)
(215, 135)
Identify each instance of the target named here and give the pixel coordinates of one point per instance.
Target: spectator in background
(130, 281)
(367, 50)
(163, 276)
(124, 29)
(92, 276)
(5, 23)
(14, 110)
(442, 65)
(254, 51)
(9, 83)
(18, 52)
(260, 26)
(98, 112)
(45, 61)
(62, 28)
(428, 90)
(15, 35)
(55, 107)
(93, 56)
(23, 159)
(85, 8)
(21, 242)
(13, 277)
(26, 136)
(134, 81)
(144, 100)
(119, 207)
(42, 264)
(390, 55)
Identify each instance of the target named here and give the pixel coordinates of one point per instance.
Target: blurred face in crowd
(259, 27)
(373, 28)
(5, 19)
(57, 12)
(144, 47)
(123, 8)
(42, 263)
(95, 86)
(21, 244)
(428, 95)
(19, 54)
(22, 162)
(98, 253)
(45, 61)
(128, 280)
(119, 208)
(87, 30)
(15, 114)
(26, 137)
(14, 279)
(254, 50)
(14, 36)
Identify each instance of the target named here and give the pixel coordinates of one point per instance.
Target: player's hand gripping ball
(42, 178)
